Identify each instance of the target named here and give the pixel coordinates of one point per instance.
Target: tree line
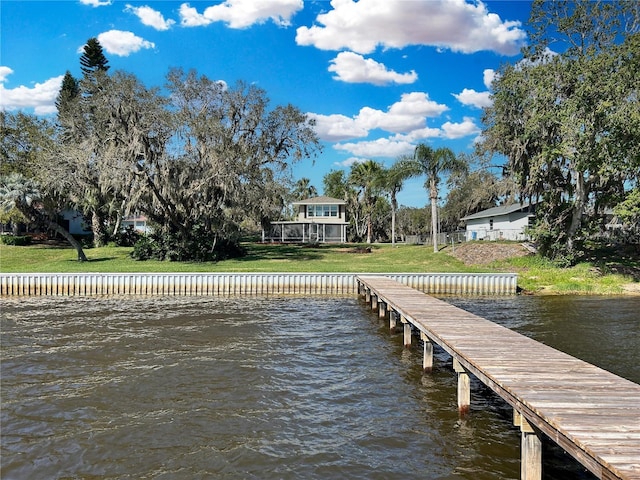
(201, 159)
(198, 160)
(564, 127)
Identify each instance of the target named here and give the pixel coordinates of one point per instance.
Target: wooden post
(531, 449)
(393, 316)
(427, 359)
(374, 301)
(367, 294)
(464, 388)
(407, 332)
(382, 309)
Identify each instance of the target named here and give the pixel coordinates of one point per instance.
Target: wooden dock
(589, 412)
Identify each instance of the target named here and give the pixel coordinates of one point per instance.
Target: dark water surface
(256, 388)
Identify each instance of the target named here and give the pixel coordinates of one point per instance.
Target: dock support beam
(531, 449)
(464, 388)
(407, 331)
(427, 359)
(393, 318)
(382, 309)
(374, 301)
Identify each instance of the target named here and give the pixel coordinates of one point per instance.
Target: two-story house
(317, 220)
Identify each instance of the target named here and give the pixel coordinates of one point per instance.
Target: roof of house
(320, 200)
(496, 211)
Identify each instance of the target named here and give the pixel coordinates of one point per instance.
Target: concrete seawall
(211, 284)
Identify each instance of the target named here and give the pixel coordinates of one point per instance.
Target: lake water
(278, 388)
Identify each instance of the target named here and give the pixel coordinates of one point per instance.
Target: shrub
(127, 237)
(198, 247)
(18, 241)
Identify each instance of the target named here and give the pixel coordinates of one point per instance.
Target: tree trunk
(394, 206)
(97, 227)
(68, 237)
(116, 228)
(577, 210)
(434, 215)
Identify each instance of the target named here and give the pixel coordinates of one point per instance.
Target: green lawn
(260, 258)
(536, 275)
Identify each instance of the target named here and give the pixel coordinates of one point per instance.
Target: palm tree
(303, 189)
(392, 181)
(366, 176)
(23, 194)
(434, 164)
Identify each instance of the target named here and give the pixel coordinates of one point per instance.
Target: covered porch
(306, 232)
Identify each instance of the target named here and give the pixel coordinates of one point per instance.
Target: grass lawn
(536, 275)
(259, 258)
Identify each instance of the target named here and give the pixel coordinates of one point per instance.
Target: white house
(317, 220)
(74, 222)
(506, 222)
(138, 222)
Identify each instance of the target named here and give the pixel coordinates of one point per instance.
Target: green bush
(127, 237)
(198, 247)
(18, 241)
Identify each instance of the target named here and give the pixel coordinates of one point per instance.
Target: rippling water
(249, 388)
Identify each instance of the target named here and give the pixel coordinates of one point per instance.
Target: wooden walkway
(589, 412)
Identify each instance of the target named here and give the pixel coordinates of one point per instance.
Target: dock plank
(591, 413)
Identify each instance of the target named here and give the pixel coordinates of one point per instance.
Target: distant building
(74, 222)
(138, 222)
(507, 222)
(318, 220)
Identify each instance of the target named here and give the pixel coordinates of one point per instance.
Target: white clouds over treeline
(405, 119)
(358, 33)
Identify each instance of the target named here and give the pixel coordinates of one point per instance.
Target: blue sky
(378, 76)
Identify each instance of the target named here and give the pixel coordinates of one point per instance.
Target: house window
(322, 210)
(491, 224)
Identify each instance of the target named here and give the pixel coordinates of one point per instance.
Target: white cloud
(350, 161)
(407, 115)
(242, 13)
(459, 130)
(150, 17)
(382, 147)
(4, 73)
(118, 42)
(191, 18)
(353, 68)
(475, 99)
(448, 24)
(96, 3)
(418, 134)
(41, 97)
(488, 75)
(334, 128)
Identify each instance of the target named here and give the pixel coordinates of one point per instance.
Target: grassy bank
(536, 275)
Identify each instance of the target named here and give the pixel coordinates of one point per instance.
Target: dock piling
(531, 449)
(406, 332)
(427, 359)
(464, 387)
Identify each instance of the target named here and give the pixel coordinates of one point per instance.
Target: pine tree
(93, 59)
(69, 93)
